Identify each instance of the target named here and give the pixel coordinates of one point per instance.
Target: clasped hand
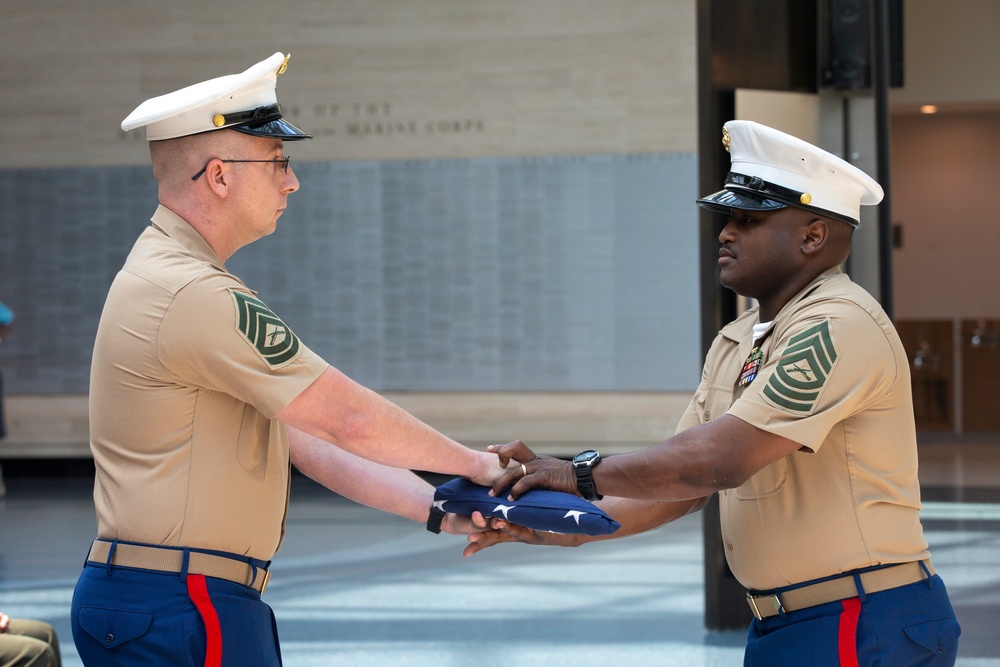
(530, 471)
(524, 470)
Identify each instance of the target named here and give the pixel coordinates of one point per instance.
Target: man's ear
(817, 233)
(217, 177)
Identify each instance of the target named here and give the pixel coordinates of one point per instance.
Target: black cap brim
(279, 128)
(725, 200)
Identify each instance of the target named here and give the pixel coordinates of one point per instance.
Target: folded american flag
(539, 509)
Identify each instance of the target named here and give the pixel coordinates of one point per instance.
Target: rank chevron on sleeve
(803, 369)
(274, 341)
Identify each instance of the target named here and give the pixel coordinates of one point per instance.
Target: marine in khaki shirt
(201, 398)
(189, 370)
(802, 423)
(836, 380)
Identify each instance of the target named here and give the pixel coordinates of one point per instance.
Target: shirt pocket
(765, 482)
(252, 449)
(712, 401)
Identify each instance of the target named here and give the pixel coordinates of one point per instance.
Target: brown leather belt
(163, 559)
(768, 605)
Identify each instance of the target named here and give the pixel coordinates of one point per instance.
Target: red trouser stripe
(198, 592)
(847, 634)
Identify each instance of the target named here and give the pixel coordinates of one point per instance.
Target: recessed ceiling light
(928, 108)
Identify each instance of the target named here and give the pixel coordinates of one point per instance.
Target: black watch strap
(435, 518)
(585, 483)
(583, 466)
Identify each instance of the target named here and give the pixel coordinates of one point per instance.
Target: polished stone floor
(352, 586)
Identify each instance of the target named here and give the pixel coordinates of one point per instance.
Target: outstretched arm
(635, 516)
(389, 489)
(695, 463)
(340, 411)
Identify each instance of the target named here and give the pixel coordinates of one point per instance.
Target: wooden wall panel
(980, 341)
(929, 347)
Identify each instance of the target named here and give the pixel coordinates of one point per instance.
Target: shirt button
(109, 638)
(729, 545)
(708, 415)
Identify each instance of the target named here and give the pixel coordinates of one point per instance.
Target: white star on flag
(439, 504)
(576, 514)
(503, 509)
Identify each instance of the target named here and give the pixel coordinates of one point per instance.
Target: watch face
(587, 458)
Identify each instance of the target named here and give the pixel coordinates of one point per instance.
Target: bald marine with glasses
(201, 398)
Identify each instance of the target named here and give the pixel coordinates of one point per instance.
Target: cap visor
(724, 200)
(278, 128)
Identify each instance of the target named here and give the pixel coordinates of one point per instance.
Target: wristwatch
(583, 465)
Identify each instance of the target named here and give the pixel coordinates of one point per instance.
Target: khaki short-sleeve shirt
(189, 369)
(835, 379)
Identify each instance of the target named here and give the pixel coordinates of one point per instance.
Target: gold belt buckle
(267, 578)
(773, 599)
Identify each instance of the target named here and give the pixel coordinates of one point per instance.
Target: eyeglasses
(278, 161)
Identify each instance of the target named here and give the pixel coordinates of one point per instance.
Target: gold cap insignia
(725, 138)
(284, 65)
(805, 198)
(218, 120)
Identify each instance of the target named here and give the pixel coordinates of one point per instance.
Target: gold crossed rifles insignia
(273, 340)
(803, 370)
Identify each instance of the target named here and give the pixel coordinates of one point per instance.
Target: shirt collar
(177, 228)
(740, 328)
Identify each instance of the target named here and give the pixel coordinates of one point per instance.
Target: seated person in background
(25, 642)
